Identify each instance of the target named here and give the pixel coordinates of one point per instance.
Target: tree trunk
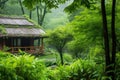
(61, 57)
(30, 15)
(106, 38)
(113, 38)
(22, 9)
(76, 55)
(37, 7)
(43, 16)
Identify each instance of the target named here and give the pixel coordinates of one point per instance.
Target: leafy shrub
(48, 62)
(5, 48)
(117, 71)
(67, 58)
(2, 29)
(79, 70)
(22, 67)
(83, 69)
(60, 73)
(7, 72)
(27, 67)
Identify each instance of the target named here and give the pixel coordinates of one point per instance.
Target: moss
(11, 16)
(35, 24)
(2, 30)
(24, 17)
(17, 26)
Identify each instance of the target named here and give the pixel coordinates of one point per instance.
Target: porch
(29, 49)
(32, 45)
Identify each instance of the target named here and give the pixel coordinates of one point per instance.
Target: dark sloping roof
(15, 21)
(19, 31)
(23, 32)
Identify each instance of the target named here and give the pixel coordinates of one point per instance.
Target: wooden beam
(16, 42)
(38, 41)
(1, 43)
(42, 41)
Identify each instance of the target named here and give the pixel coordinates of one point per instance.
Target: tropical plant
(22, 67)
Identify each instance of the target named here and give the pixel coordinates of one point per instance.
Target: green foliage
(59, 37)
(49, 3)
(76, 5)
(60, 73)
(89, 25)
(2, 30)
(53, 59)
(10, 9)
(32, 21)
(67, 58)
(27, 67)
(2, 3)
(23, 67)
(87, 31)
(79, 70)
(96, 53)
(117, 71)
(5, 48)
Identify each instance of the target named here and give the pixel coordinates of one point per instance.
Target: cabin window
(37, 42)
(19, 42)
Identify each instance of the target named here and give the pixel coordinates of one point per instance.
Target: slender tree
(113, 38)
(113, 31)
(43, 13)
(30, 14)
(38, 19)
(43, 7)
(22, 9)
(58, 38)
(105, 33)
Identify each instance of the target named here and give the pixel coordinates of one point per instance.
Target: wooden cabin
(19, 33)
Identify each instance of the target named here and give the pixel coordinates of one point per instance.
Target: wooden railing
(29, 49)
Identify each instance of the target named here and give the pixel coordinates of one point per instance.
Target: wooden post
(1, 43)
(42, 41)
(4, 39)
(42, 45)
(16, 42)
(38, 41)
(12, 44)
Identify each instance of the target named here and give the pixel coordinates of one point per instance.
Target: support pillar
(39, 42)
(42, 45)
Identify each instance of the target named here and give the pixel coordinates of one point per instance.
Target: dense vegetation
(89, 36)
(28, 67)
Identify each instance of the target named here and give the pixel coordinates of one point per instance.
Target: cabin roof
(15, 21)
(21, 30)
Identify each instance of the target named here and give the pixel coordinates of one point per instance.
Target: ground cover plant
(27, 67)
